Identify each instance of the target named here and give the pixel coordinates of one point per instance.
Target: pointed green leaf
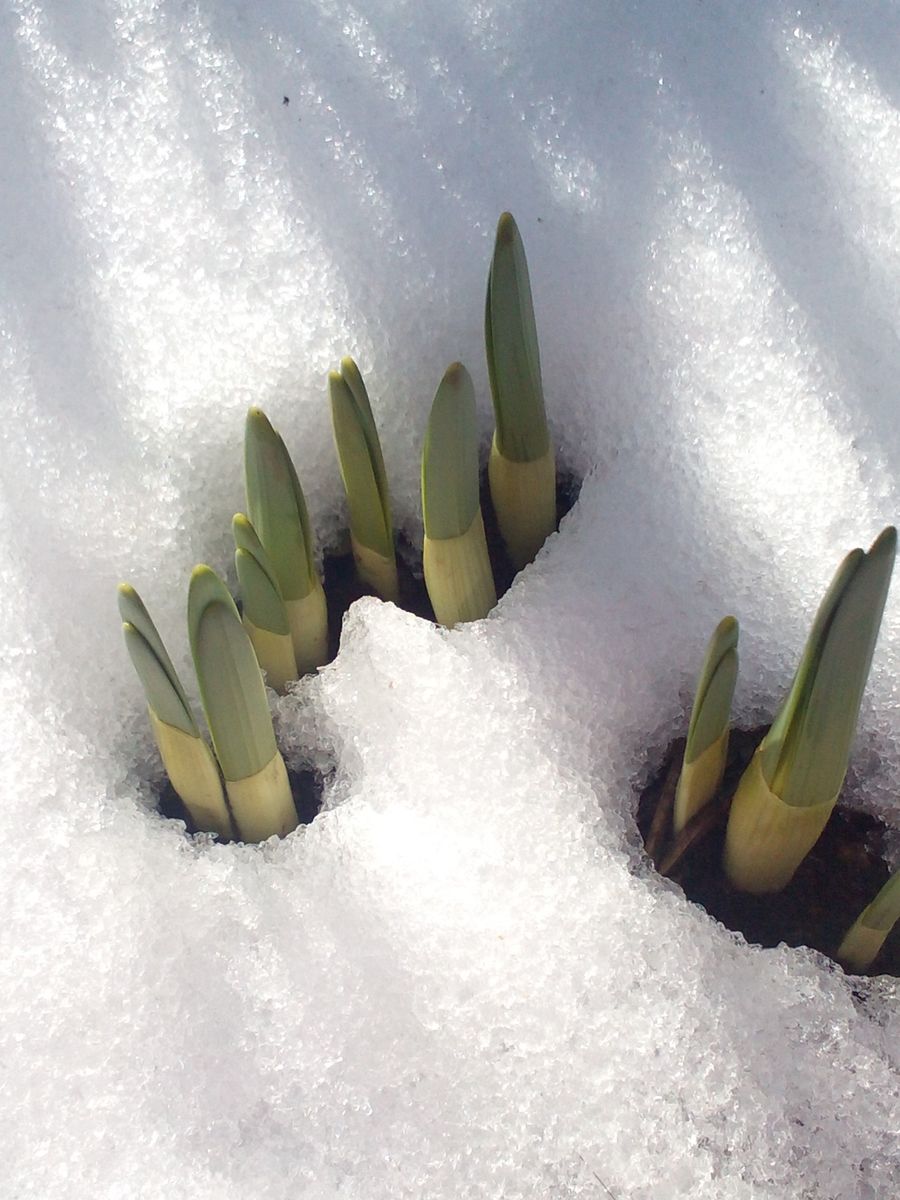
(246, 538)
(450, 458)
(263, 605)
(712, 702)
(277, 507)
(805, 754)
(350, 373)
(773, 743)
(133, 612)
(360, 458)
(231, 684)
(514, 363)
(164, 699)
(261, 595)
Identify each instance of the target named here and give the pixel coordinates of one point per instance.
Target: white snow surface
(462, 980)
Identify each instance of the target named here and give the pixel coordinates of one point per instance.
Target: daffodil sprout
(455, 558)
(706, 749)
(868, 933)
(365, 481)
(264, 614)
(792, 783)
(522, 465)
(234, 700)
(186, 757)
(277, 510)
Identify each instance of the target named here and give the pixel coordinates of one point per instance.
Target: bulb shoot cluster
(240, 787)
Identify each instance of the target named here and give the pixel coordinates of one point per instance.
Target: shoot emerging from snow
(792, 783)
(277, 509)
(522, 466)
(264, 615)
(186, 756)
(706, 751)
(868, 933)
(365, 481)
(237, 712)
(455, 557)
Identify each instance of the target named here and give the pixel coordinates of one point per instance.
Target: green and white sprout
(277, 510)
(264, 614)
(455, 557)
(237, 712)
(792, 783)
(186, 757)
(365, 481)
(706, 750)
(522, 465)
(869, 931)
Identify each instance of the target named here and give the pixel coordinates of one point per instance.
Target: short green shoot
(186, 757)
(868, 933)
(791, 786)
(264, 614)
(706, 750)
(522, 468)
(237, 712)
(277, 509)
(457, 568)
(365, 481)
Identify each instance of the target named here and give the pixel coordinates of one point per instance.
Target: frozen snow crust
(461, 981)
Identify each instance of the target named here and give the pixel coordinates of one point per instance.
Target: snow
(462, 980)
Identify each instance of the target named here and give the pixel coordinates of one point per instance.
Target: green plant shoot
(365, 481)
(186, 756)
(522, 465)
(868, 933)
(457, 568)
(277, 510)
(706, 750)
(792, 783)
(264, 614)
(237, 712)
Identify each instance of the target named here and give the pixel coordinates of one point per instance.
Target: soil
(838, 878)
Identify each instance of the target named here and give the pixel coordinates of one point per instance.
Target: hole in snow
(307, 788)
(841, 875)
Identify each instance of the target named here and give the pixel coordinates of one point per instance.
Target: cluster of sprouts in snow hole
(787, 792)
(784, 798)
(282, 628)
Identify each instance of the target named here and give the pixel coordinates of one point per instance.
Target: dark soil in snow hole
(838, 878)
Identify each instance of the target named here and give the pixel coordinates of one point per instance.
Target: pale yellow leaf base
(458, 575)
(766, 839)
(194, 775)
(376, 571)
(524, 498)
(699, 781)
(262, 803)
(860, 947)
(275, 655)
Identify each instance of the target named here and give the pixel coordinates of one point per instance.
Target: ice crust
(462, 980)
